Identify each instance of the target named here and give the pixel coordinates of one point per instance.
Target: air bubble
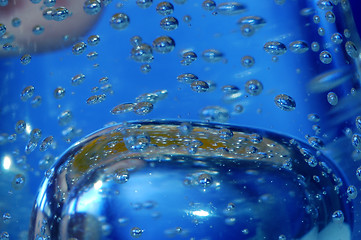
(330, 17)
(332, 98)
(230, 8)
(275, 48)
(143, 108)
(93, 40)
(325, 57)
(121, 176)
(60, 14)
(209, 5)
(169, 23)
(46, 143)
(298, 47)
(187, 78)
(358, 122)
(145, 68)
(321, 31)
(65, 117)
(49, 3)
(212, 55)
(215, 114)
(337, 217)
(199, 86)
(163, 44)
(92, 7)
(225, 133)
(255, 21)
(35, 135)
(2, 29)
(230, 89)
(351, 192)
(142, 53)
(119, 21)
(4, 3)
(6, 218)
(165, 8)
(16, 22)
(315, 46)
(285, 102)
(358, 173)
(136, 232)
(247, 30)
(79, 48)
(188, 58)
(336, 38)
(205, 180)
(356, 141)
(351, 49)
(316, 142)
(313, 117)
(25, 59)
(247, 61)
(20, 126)
(95, 99)
(253, 87)
(27, 93)
(325, 5)
(18, 181)
(59, 92)
(30, 146)
(38, 29)
(36, 101)
(77, 79)
(144, 3)
(316, 19)
(122, 108)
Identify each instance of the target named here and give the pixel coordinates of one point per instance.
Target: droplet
(163, 44)
(187, 78)
(214, 113)
(119, 21)
(38, 29)
(95, 99)
(92, 7)
(247, 61)
(169, 23)
(315, 46)
(209, 5)
(65, 117)
(27, 93)
(356, 141)
(325, 57)
(285, 102)
(336, 38)
(253, 87)
(145, 68)
(212, 55)
(46, 143)
(337, 217)
(144, 3)
(77, 79)
(199, 86)
(143, 108)
(136, 232)
(25, 59)
(230, 8)
(59, 92)
(79, 48)
(93, 40)
(332, 98)
(142, 53)
(330, 17)
(18, 181)
(351, 49)
(165, 8)
(60, 14)
(205, 180)
(122, 108)
(298, 47)
(351, 192)
(275, 48)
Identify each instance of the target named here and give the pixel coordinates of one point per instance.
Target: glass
(254, 129)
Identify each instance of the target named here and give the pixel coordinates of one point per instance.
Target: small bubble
(253, 87)
(330, 17)
(214, 113)
(187, 18)
(230, 8)
(169, 23)
(312, 161)
(325, 57)
(4, 236)
(25, 59)
(137, 142)
(92, 7)
(143, 108)
(30, 146)
(336, 38)
(358, 173)
(247, 61)
(185, 128)
(351, 49)
(36, 101)
(6, 218)
(20, 126)
(315, 46)
(93, 40)
(205, 180)
(358, 122)
(212, 55)
(35, 134)
(46, 143)
(209, 5)
(77, 79)
(122, 108)
(337, 217)
(332, 98)
(316, 142)
(316, 19)
(188, 58)
(60, 14)
(321, 31)
(255, 21)
(136, 232)
(4, 3)
(282, 237)
(2, 29)
(142, 53)
(27, 93)
(230, 89)
(347, 33)
(59, 92)
(12, 138)
(38, 29)
(79, 48)
(165, 8)
(325, 4)
(119, 21)
(356, 141)
(144, 3)
(247, 30)
(313, 117)
(225, 133)
(275, 48)
(187, 78)
(65, 117)
(145, 68)
(163, 44)
(298, 47)
(16, 22)
(95, 99)
(351, 192)
(48, 13)
(199, 86)
(49, 3)
(121, 176)
(285, 102)
(18, 181)
(136, 41)
(238, 108)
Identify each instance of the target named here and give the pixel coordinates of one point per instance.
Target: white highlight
(7, 162)
(201, 213)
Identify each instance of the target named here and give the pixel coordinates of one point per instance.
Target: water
(286, 71)
(152, 180)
